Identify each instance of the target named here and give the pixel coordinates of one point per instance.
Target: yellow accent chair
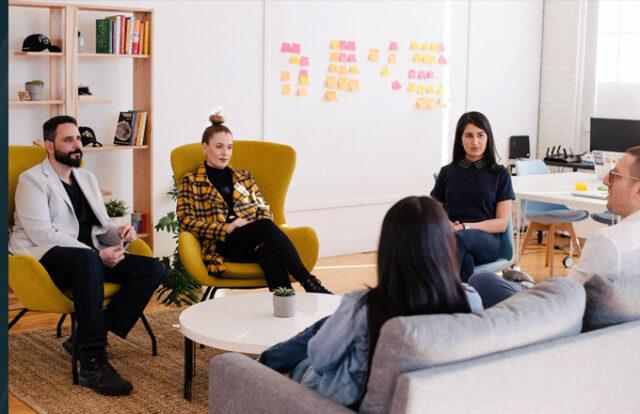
(28, 278)
(272, 166)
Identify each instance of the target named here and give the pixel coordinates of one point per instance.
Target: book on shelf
(130, 128)
(122, 35)
(103, 27)
(136, 37)
(141, 39)
(146, 37)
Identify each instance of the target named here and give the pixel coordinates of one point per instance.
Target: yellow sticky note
(285, 90)
(440, 90)
(435, 47)
(431, 103)
(342, 70)
(392, 58)
(417, 58)
(430, 89)
(421, 90)
(343, 83)
(285, 76)
(331, 96)
(294, 60)
(302, 92)
(414, 45)
(374, 55)
(580, 186)
(421, 102)
(354, 70)
(425, 46)
(333, 57)
(354, 85)
(411, 87)
(303, 80)
(384, 71)
(432, 59)
(331, 82)
(334, 44)
(332, 67)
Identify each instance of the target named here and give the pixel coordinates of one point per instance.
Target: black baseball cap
(88, 137)
(38, 43)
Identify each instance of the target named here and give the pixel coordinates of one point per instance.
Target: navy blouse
(470, 191)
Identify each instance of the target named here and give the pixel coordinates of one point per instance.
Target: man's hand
(457, 226)
(113, 255)
(127, 233)
(237, 223)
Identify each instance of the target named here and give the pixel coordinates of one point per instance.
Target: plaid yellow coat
(202, 210)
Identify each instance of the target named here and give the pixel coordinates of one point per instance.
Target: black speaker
(519, 147)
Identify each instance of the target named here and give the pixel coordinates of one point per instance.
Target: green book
(103, 27)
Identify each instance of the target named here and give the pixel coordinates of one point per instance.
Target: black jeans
(82, 271)
(494, 289)
(263, 242)
(476, 247)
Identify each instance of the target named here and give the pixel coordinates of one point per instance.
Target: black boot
(98, 374)
(313, 285)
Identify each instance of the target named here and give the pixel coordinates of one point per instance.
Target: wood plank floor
(340, 274)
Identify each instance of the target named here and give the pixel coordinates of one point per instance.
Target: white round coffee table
(245, 323)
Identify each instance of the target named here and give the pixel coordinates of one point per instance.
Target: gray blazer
(44, 216)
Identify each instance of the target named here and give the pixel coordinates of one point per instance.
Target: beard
(66, 158)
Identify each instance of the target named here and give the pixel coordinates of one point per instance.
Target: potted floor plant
(35, 88)
(117, 211)
(284, 302)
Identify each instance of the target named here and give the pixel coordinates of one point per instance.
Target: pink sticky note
(295, 48)
(442, 60)
(343, 45)
(351, 58)
(304, 61)
(393, 46)
(441, 47)
(351, 45)
(422, 75)
(430, 75)
(286, 47)
(303, 72)
(396, 85)
(342, 57)
(412, 74)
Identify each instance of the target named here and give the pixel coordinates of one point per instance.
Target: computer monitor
(616, 135)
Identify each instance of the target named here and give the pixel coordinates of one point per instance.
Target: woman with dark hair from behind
(476, 193)
(417, 275)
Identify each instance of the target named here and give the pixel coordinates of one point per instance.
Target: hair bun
(216, 119)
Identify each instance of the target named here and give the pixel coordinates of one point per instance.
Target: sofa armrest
(238, 384)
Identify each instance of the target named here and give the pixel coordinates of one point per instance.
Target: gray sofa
(526, 354)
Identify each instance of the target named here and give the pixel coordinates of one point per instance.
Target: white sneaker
(519, 277)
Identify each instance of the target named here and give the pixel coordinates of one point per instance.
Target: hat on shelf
(38, 43)
(88, 137)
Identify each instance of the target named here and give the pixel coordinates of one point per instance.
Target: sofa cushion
(550, 310)
(611, 300)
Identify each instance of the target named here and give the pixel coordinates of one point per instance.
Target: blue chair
(606, 217)
(548, 217)
(506, 255)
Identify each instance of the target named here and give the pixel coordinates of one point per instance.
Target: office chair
(606, 217)
(506, 254)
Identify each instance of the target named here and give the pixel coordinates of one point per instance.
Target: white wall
(210, 53)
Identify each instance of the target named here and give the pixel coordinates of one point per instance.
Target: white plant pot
(284, 306)
(35, 91)
(122, 220)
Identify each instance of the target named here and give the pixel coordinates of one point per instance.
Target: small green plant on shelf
(116, 208)
(36, 82)
(284, 291)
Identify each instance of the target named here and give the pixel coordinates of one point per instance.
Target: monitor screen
(614, 134)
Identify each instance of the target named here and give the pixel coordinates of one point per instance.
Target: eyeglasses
(613, 173)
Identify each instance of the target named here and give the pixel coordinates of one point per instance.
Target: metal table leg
(189, 357)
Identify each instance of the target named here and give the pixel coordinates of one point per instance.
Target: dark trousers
(476, 247)
(82, 271)
(263, 242)
(494, 289)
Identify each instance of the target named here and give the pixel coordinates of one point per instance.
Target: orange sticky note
(354, 85)
(421, 102)
(374, 55)
(417, 58)
(342, 70)
(421, 90)
(430, 89)
(392, 58)
(294, 60)
(285, 90)
(343, 83)
(303, 80)
(334, 44)
(354, 70)
(330, 96)
(384, 71)
(431, 103)
(333, 57)
(302, 92)
(285, 75)
(331, 82)
(411, 87)
(332, 68)
(414, 45)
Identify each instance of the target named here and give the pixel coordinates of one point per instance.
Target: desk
(574, 165)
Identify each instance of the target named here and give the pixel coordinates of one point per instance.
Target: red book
(122, 35)
(136, 37)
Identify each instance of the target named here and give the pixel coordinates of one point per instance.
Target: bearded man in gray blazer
(61, 220)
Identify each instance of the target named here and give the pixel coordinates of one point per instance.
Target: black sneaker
(98, 374)
(313, 285)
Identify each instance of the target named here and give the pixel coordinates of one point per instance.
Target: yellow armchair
(28, 278)
(272, 167)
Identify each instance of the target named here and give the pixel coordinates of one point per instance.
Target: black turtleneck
(223, 182)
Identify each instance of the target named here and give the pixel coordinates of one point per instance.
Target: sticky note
(440, 47)
(414, 45)
(334, 44)
(435, 47)
(342, 70)
(331, 82)
(374, 55)
(384, 71)
(411, 87)
(351, 45)
(354, 85)
(430, 89)
(286, 47)
(421, 102)
(303, 72)
(430, 75)
(304, 61)
(432, 59)
(417, 58)
(412, 74)
(332, 67)
(354, 70)
(442, 60)
(295, 60)
(330, 96)
(333, 57)
(422, 75)
(343, 83)
(285, 89)
(303, 80)
(425, 46)
(351, 58)
(392, 58)
(302, 92)
(342, 57)
(343, 45)
(421, 90)
(581, 186)
(440, 90)
(431, 103)
(295, 47)
(284, 75)
(395, 85)
(393, 45)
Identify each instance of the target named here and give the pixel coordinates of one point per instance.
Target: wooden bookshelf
(31, 103)
(112, 56)
(39, 54)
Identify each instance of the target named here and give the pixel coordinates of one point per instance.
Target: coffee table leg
(188, 367)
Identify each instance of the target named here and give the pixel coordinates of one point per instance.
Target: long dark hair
(481, 121)
(417, 266)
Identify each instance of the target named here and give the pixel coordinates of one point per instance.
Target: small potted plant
(35, 88)
(117, 211)
(284, 302)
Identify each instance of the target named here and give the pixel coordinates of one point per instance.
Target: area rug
(40, 372)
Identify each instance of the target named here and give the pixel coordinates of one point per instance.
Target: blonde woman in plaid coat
(224, 208)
